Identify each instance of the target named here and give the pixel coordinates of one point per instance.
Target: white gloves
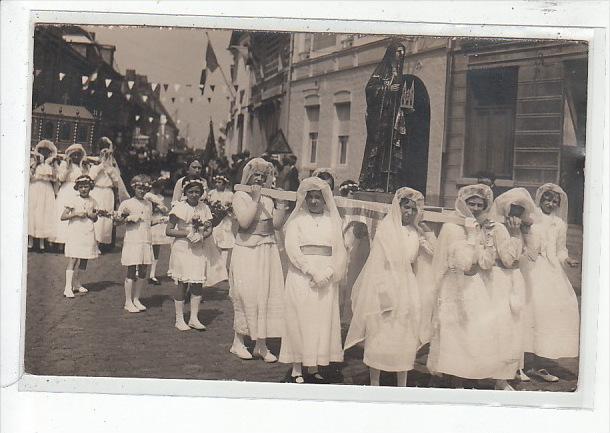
(322, 277)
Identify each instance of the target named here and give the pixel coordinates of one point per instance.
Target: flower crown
(349, 186)
(83, 178)
(191, 182)
(221, 178)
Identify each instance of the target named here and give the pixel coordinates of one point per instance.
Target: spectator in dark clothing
(289, 175)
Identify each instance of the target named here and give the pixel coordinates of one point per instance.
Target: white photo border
(595, 177)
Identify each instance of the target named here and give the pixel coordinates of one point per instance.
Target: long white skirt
(41, 210)
(507, 291)
(105, 201)
(462, 344)
(391, 343)
(312, 328)
(66, 192)
(553, 309)
(256, 289)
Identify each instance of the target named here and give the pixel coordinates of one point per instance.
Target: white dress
(80, 234)
(462, 343)
(41, 203)
(105, 178)
(224, 233)
(312, 332)
(137, 246)
(255, 276)
(506, 287)
(66, 174)
(551, 303)
(198, 262)
(158, 230)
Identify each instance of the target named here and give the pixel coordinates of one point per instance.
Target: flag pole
(221, 70)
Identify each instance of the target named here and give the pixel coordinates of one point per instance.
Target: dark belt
(262, 228)
(317, 250)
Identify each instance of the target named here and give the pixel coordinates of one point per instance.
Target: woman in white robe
(256, 278)
(41, 196)
(463, 342)
(551, 301)
(386, 299)
(511, 216)
(314, 244)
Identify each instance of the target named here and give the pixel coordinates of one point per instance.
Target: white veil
(562, 210)
(258, 165)
(381, 285)
(517, 196)
(317, 184)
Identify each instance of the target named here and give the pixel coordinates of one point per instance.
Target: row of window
(65, 132)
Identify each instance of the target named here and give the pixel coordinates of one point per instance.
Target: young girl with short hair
(190, 223)
(137, 251)
(80, 245)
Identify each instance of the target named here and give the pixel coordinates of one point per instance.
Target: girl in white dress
(551, 301)
(314, 244)
(160, 211)
(386, 297)
(41, 197)
(80, 213)
(137, 252)
(511, 216)
(190, 223)
(224, 233)
(107, 178)
(462, 344)
(67, 172)
(256, 278)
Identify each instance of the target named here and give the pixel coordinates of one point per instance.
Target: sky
(176, 56)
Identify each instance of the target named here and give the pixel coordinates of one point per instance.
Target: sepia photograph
(306, 208)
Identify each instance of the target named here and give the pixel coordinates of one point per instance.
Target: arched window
(65, 131)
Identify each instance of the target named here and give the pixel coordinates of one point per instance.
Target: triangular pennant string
(61, 76)
(165, 86)
(107, 81)
(173, 99)
(93, 76)
(191, 99)
(176, 87)
(144, 98)
(150, 119)
(137, 117)
(109, 94)
(84, 79)
(212, 87)
(128, 96)
(153, 86)
(130, 84)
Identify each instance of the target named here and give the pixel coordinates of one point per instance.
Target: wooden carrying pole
(437, 215)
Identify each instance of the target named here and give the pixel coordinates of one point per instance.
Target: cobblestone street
(91, 335)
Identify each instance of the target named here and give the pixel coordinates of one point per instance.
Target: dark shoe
(317, 378)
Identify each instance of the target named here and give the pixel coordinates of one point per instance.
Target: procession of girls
(482, 294)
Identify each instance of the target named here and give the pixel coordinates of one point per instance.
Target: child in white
(137, 252)
(41, 197)
(159, 237)
(551, 301)
(80, 214)
(386, 298)
(190, 223)
(224, 233)
(67, 172)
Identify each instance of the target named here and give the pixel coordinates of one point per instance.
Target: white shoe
(68, 293)
(521, 376)
(139, 305)
(240, 351)
(131, 308)
(544, 375)
(195, 323)
(267, 356)
(181, 326)
(82, 289)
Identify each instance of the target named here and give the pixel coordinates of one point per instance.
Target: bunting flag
(165, 86)
(93, 76)
(92, 91)
(212, 86)
(210, 58)
(150, 119)
(189, 86)
(236, 87)
(137, 117)
(130, 84)
(209, 100)
(37, 72)
(173, 99)
(191, 98)
(204, 76)
(128, 96)
(84, 79)
(86, 87)
(109, 94)
(153, 86)
(61, 76)
(144, 98)
(176, 87)
(107, 81)
(201, 88)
